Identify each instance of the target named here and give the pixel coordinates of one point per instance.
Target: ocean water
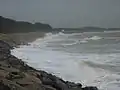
(90, 58)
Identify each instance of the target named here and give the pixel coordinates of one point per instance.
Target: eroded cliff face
(17, 75)
(12, 26)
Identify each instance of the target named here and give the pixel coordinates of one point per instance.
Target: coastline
(16, 39)
(17, 75)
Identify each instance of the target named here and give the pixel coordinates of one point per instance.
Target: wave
(58, 37)
(94, 70)
(93, 38)
(62, 33)
(110, 79)
(70, 44)
(85, 40)
(111, 31)
(51, 34)
(108, 67)
(75, 42)
(96, 38)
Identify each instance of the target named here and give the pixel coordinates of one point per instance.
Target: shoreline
(17, 75)
(16, 39)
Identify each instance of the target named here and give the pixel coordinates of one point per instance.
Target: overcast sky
(64, 13)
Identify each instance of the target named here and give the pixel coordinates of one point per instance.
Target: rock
(15, 75)
(5, 45)
(28, 80)
(18, 63)
(4, 50)
(3, 86)
(2, 74)
(10, 85)
(48, 79)
(45, 87)
(73, 85)
(90, 88)
(24, 83)
(39, 87)
(57, 83)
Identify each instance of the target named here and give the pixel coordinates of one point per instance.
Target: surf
(65, 55)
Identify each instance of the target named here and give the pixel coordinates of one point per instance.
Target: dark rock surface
(16, 75)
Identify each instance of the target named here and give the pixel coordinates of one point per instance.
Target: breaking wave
(64, 55)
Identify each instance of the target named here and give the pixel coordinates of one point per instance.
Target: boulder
(15, 75)
(3, 86)
(90, 88)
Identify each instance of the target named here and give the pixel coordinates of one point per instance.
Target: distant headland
(88, 28)
(12, 26)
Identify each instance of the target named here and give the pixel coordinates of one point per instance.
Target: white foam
(83, 41)
(95, 38)
(63, 30)
(67, 65)
(70, 44)
(112, 31)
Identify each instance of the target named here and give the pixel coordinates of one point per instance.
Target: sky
(64, 13)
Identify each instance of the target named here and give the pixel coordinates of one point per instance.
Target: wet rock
(90, 88)
(46, 87)
(59, 84)
(49, 79)
(18, 63)
(4, 50)
(4, 47)
(73, 85)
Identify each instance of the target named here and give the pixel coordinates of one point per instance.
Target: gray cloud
(64, 13)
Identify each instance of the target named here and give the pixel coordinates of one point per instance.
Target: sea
(89, 58)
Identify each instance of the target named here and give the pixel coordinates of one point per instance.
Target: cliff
(13, 26)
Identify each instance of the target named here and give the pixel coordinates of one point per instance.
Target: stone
(15, 75)
(3, 86)
(90, 88)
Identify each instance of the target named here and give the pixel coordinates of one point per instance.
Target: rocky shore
(15, 39)
(17, 75)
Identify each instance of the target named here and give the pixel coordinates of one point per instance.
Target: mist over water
(91, 58)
